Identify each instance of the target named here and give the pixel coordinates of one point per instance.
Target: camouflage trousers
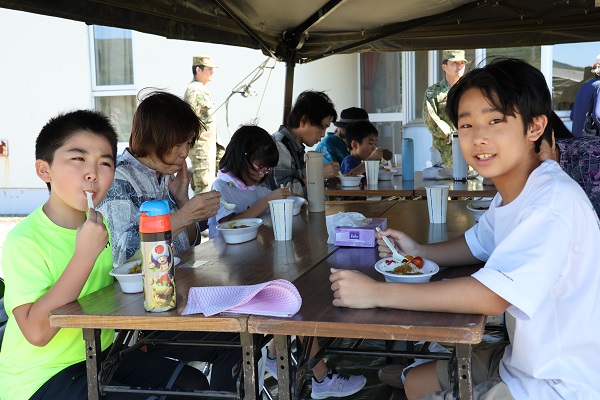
(205, 157)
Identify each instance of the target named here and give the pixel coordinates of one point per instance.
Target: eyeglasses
(262, 171)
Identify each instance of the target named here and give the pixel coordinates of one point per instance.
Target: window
(112, 76)
(381, 79)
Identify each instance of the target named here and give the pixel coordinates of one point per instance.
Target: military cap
(204, 61)
(454, 55)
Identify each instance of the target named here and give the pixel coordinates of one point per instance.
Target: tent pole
(289, 88)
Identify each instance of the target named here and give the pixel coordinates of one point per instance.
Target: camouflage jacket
(198, 96)
(434, 116)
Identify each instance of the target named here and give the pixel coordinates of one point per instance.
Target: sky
(576, 54)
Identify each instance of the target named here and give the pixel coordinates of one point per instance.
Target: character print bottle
(158, 271)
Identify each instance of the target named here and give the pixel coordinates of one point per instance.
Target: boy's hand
(92, 236)
(401, 241)
(331, 169)
(353, 289)
(376, 154)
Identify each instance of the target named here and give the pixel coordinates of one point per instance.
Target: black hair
(162, 121)
(314, 106)
(511, 86)
(62, 127)
(560, 130)
(250, 143)
(194, 68)
(358, 131)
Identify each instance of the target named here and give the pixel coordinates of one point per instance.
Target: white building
(49, 65)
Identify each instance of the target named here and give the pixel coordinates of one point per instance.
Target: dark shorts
(137, 369)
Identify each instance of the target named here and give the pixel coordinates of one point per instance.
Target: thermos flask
(460, 168)
(158, 271)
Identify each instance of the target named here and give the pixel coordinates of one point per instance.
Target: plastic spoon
(228, 206)
(340, 174)
(397, 255)
(89, 199)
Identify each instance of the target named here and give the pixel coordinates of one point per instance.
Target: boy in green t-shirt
(61, 252)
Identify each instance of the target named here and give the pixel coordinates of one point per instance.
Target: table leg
(249, 365)
(463, 361)
(92, 362)
(284, 366)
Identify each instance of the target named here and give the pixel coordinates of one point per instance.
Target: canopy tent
(300, 31)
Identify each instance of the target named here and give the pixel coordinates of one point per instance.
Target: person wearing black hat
(333, 146)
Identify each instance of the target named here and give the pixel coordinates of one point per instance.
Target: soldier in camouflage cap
(209, 148)
(434, 105)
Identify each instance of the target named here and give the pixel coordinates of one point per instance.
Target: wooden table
(410, 189)
(253, 262)
(318, 317)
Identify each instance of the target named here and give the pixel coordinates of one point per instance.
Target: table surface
(252, 262)
(416, 188)
(318, 317)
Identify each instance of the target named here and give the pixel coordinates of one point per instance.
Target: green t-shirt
(34, 255)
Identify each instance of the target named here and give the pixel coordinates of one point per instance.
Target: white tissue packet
(343, 219)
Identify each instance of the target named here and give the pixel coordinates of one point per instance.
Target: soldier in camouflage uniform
(434, 105)
(206, 152)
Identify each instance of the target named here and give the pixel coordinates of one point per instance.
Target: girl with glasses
(248, 160)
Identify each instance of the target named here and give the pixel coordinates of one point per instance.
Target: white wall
(45, 70)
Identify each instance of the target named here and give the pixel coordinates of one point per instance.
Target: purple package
(363, 236)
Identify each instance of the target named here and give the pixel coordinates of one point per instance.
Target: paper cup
(281, 217)
(437, 203)
(372, 172)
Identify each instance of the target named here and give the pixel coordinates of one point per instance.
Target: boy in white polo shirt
(539, 241)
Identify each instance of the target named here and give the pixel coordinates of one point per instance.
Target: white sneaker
(271, 366)
(337, 385)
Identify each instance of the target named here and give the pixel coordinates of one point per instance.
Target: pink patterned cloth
(277, 298)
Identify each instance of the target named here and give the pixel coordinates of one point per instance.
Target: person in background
(249, 158)
(153, 167)
(310, 116)
(209, 147)
(60, 252)
(361, 139)
(578, 157)
(434, 104)
(539, 242)
(333, 146)
(587, 97)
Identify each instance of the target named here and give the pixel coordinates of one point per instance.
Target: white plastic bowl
(298, 201)
(478, 208)
(351, 180)
(386, 175)
(233, 234)
(429, 269)
(131, 283)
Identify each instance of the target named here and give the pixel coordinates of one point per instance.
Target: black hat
(350, 115)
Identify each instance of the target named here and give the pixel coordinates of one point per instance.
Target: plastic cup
(281, 217)
(437, 203)
(372, 172)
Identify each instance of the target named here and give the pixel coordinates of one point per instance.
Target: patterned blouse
(134, 184)
(580, 158)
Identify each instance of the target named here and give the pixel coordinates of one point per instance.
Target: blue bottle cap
(154, 208)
